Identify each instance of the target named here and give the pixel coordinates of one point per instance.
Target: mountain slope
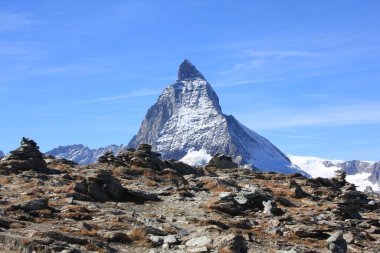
(82, 154)
(360, 173)
(1, 154)
(187, 116)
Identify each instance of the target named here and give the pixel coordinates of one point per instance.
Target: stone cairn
(107, 157)
(143, 157)
(350, 202)
(27, 156)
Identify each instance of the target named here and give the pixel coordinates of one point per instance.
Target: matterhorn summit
(187, 117)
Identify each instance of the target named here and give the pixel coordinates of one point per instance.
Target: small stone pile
(143, 157)
(249, 197)
(125, 155)
(107, 157)
(298, 191)
(350, 202)
(25, 157)
(339, 179)
(222, 161)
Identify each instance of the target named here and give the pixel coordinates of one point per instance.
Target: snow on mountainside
(82, 154)
(196, 158)
(187, 117)
(360, 173)
(1, 154)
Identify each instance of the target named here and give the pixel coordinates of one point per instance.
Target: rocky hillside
(187, 116)
(135, 202)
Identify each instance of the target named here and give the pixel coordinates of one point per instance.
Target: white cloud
(140, 93)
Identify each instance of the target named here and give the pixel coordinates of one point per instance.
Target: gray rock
(199, 242)
(336, 243)
(33, 205)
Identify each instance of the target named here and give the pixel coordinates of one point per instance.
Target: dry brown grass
(215, 186)
(211, 203)
(5, 180)
(138, 234)
(149, 182)
(64, 189)
(85, 232)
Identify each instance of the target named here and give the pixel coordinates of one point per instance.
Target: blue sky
(304, 74)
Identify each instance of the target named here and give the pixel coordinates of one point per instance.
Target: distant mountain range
(360, 173)
(82, 154)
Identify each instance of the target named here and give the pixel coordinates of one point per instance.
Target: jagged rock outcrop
(187, 116)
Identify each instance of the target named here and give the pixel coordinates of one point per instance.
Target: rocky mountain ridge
(136, 202)
(82, 154)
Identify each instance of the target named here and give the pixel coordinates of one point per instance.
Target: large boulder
(103, 186)
(222, 161)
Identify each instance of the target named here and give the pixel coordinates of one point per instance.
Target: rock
(86, 226)
(298, 191)
(199, 242)
(233, 243)
(183, 168)
(170, 239)
(304, 232)
(336, 243)
(33, 205)
(118, 237)
(349, 237)
(103, 186)
(270, 208)
(222, 161)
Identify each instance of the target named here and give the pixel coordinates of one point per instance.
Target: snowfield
(319, 167)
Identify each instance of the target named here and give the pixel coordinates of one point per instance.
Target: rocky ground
(135, 202)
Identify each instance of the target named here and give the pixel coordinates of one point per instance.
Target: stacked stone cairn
(350, 202)
(143, 157)
(25, 157)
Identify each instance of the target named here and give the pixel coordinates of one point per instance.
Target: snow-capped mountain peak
(187, 117)
(187, 71)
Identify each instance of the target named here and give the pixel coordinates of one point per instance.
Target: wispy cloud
(278, 54)
(294, 77)
(73, 69)
(140, 93)
(278, 117)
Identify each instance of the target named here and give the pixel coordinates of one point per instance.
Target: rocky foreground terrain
(136, 202)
